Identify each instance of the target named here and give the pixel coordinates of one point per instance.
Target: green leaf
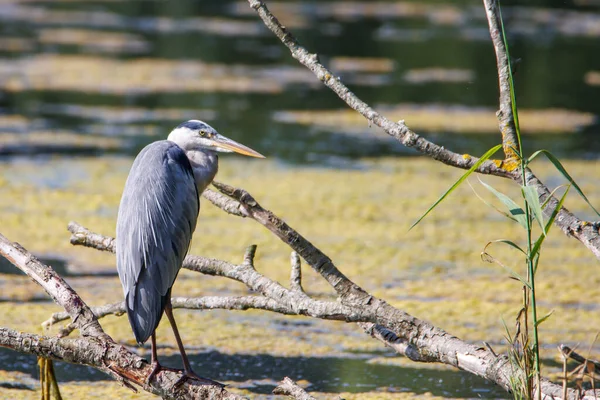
(507, 242)
(516, 212)
(487, 257)
(491, 205)
(483, 158)
(545, 203)
(564, 173)
(545, 317)
(540, 240)
(533, 201)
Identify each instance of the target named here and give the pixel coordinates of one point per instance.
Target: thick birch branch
(54, 285)
(106, 355)
(95, 348)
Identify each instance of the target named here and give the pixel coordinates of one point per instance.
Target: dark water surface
(92, 69)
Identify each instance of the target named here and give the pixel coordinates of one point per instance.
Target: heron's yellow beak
(221, 142)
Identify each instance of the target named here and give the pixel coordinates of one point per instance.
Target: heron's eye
(202, 133)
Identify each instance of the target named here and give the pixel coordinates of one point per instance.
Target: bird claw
(156, 367)
(200, 380)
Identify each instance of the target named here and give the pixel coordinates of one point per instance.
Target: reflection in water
(69, 65)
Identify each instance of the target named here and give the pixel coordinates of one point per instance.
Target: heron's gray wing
(157, 218)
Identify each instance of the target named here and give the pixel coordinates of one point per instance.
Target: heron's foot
(156, 368)
(189, 374)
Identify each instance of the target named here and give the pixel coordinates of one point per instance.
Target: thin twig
(296, 274)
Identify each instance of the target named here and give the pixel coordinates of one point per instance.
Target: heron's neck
(205, 164)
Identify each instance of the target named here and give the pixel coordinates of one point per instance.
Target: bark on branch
(505, 115)
(95, 348)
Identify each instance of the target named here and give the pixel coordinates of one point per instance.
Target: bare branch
(112, 358)
(224, 203)
(425, 342)
(241, 303)
(505, 114)
(572, 354)
(296, 274)
(95, 348)
(54, 285)
(398, 130)
(81, 236)
(290, 388)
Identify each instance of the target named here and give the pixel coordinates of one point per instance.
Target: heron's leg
(189, 373)
(154, 362)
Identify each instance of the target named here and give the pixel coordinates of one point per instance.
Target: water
(111, 76)
(259, 374)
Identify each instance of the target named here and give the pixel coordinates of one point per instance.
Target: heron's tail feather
(145, 307)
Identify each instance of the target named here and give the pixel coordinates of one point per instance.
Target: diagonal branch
(585, 232)
(95, 348)
(54, 285)
(108, 356)
(397, 130)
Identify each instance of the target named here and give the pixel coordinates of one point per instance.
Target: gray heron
(156, 220)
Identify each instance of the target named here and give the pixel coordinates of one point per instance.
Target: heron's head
(198, 135)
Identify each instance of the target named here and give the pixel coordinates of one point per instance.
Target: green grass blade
(483, 158)
(545, 317)
(507, 215)
(564, 173)
(487, 257)
(507, 242)
(538, 243)
(533, 202)
(516, 212)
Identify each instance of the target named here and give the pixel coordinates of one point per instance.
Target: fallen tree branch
(397, 130)
(95, 348)
(107, 355)
(54, 285)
